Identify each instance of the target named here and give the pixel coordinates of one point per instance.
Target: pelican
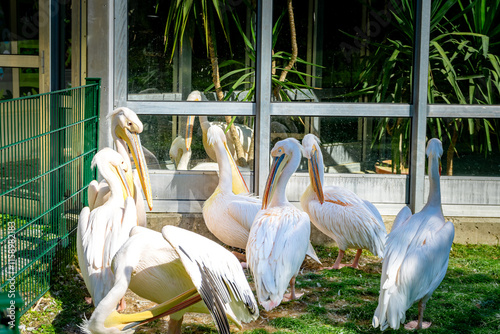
(245, 133)
(125, 129)
(416, 255)
(182, 272)
(229, 211)
(102, 231)
(181, 156)
(279, 238)
(340, 213)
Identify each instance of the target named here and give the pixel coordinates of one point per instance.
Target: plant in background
(463, 69)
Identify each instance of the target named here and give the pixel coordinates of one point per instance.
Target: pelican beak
(239, 184)
(128, 321)
(278, 164)
(134, 143)
(124, 180)
(189, 131)
(314, 175)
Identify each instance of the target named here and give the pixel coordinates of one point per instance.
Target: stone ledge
(468, 230)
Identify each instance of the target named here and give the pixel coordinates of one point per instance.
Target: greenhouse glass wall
(373, 80)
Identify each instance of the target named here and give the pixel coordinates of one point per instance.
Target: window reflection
(470, 146)
(356, 52)
(167, 67)
(352, 144)
(164, 140)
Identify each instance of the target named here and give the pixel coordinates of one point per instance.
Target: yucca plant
(464, 69)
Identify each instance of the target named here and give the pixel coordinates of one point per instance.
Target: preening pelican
(229, 211)
(181, 156)
(102, 231)
(279, 238)
(182, 272)
(125, 129)
(340, 213)
(245, 133)
(416, 255)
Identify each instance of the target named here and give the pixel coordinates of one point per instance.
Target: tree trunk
(220, 96)
(295, 50)
(451, 148)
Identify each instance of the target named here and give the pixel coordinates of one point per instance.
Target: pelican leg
(356, 258)
(292, 295)
(337, 264)
(419, 324)
(122, 305)
(241, 257)
(174, 326)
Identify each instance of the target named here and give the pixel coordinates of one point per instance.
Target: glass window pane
(168, 67)
(347, 52)
(471, 147)
(352, 144)
(164, 140)
(16, 82)
(464, 54)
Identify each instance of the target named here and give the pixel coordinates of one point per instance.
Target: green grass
(335, 301)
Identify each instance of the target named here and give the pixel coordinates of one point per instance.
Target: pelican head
(177, 151)
(282, 152)
(127, 126)
(195, 95)
(434, 148)
(312, 152)
(217, 138)
(115, 170)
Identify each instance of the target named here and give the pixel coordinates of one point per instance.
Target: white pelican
(181, 156)
(125, 129)
(102, 231)
(339, 213)
(229, 211)
(279, 238)
(416, 255)
(182, 272)
(245, 133)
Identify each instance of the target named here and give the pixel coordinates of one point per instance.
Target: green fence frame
(47, 143)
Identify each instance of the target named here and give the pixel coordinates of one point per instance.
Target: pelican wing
(83, 221)
(415, 263)
(217, 275)
(375, 213)
(277, 245)
(402, 216)
(244, 210)
(346, 218)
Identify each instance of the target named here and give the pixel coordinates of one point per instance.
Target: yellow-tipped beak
(189, 131)
(129, 321)
(134, 143)
(314, 175)
(277, 167)
(239, 184)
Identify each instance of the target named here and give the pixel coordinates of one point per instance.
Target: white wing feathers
(415, 263)
(102, 235)
(243, 211)
(403, 215)
(276, 251)
(217, 275)
(346, 218)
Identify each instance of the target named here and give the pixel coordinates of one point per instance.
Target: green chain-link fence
(47, 143)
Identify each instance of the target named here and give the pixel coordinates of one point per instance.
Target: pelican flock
(183, 272)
